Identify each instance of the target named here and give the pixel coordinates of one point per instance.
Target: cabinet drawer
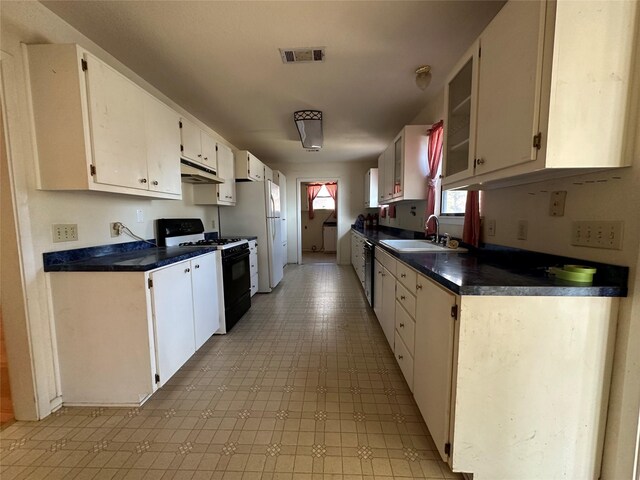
(254, 284)
(386, 260)
(405, 360)
(406, 276)
(406, 327)
(406, 299)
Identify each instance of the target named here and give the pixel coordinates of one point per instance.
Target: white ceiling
(220, 61)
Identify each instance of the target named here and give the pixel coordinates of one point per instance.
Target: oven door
(236, 277)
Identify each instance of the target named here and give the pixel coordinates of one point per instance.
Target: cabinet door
(191, 142)
(434, 334)
(509, 86)
(163, 146)
(116, 114)
(398, 166)
(172, 307)
(204, 283)
(389, 173)
(367, 188)
(381, 177)
(461, 93)
(208, 151)
(256, 168)
(377, 291)
(268, 173)
(388, 317)
(226, 170)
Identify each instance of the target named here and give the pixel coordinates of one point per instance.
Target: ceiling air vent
(302, 55)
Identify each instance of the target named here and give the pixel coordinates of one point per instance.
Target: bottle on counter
(374, 221)
(368, 222)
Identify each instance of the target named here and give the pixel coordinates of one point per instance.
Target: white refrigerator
(257, 213)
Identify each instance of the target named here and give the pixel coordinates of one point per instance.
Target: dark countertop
(243, 237)
(504, 271)
(130, 260)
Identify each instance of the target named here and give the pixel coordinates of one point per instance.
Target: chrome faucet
(426, 227)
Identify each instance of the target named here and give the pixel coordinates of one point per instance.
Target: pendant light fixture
(309, 125)
(423, 76)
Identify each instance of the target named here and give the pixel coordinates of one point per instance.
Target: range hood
(193, 173)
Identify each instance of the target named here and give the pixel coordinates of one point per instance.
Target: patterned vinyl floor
(304, 387)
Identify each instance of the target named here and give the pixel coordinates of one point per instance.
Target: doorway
(318, 221)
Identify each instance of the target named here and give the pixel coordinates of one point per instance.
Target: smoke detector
(302, 55)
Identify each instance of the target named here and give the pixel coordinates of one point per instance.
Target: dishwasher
(368, 271)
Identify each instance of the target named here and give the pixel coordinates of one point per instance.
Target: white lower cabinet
(121, 335)
(505, 383)
(253, 266)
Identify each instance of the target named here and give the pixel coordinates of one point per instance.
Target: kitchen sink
(406, 246)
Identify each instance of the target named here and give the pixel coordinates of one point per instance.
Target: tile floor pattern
(318, 257)
(304, 387)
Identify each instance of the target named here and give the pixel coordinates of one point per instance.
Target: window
(453, 202)
(324, 201)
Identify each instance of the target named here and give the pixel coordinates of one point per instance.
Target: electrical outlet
(604, 234)
(523, 228)
(491, 228)
(556, 203)
(213, 224)
(65, 232)
(139, 216)
(114, 229)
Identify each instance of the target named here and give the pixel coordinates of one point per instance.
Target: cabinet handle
(199, 156)
(402, 325)
(155, 182)
(402, 297)
(480, 161)
(418, 287)
(403, 275)
(400, 357)
(197, 266)
(187, 270)
(143, 180)
(206, 158)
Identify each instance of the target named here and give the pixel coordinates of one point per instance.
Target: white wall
(31, 22)
(350, 178)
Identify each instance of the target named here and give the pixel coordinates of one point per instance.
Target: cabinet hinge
(157, 378)
(84, 65)
(218, 194)
(92, 170)
(537, 141)
(181, 148)
(454, 312)
(216, 148)
(447, 448)
(480, 52)
(150, 283)
(180, 123)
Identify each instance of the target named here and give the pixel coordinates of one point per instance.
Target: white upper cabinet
(371, 188)
(540, 94)
(403, 167)
(248, 167)
(509, 87)
(163, 146)
(460, 116)
(268, 173)
(197, 145)
(96, 129)
(223, 193)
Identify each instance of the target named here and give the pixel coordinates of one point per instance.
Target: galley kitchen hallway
(304, 387)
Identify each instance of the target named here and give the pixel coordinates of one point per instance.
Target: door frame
(299, 182)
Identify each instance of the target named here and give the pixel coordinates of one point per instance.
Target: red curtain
(312, 193)
(434, 155)
(471, 229)
(332, 188)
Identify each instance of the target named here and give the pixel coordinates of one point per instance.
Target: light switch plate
(556, 203)
(523, 229)
(491, 227)
(65, 232)
(597, 234)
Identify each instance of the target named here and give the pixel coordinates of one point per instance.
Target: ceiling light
(309, 125)
(423, 76)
